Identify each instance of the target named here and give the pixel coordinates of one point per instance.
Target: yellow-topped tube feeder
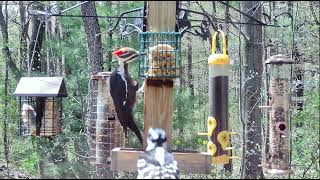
(218, 131)
(219, 67)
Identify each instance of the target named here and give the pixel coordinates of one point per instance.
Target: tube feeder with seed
(277, 160)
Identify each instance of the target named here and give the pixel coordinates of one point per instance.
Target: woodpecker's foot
(126, 141)
(136, 85)
(141, 90)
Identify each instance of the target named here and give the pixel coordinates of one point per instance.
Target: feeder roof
(41, 87)
(279, 59)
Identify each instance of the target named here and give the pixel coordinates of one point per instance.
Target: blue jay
(156, 162)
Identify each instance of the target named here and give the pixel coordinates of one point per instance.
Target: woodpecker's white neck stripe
(121, 72)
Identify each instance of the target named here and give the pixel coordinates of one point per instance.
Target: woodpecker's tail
(126, 119)
(132, 125)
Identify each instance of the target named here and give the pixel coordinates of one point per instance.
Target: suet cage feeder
(160, 54)
(40, 105)
(277, 160)
(105, 129)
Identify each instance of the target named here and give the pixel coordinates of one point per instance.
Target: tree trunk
(227, 167)
(252, 88)
(110, 51)
(189, 58)
(93, 35)
(6, 53)
(35, 46)
(190, 73)
(34, 64)
(227, 17)
(214, 12)
(92, 29)
(215, 26)
(60, 32)
(181, 78)
(23, 37)
(266, 96)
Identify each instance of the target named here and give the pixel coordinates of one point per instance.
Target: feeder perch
(125, 159)
(40, 104)
(278, 153)
(160, 54)
(105, 129)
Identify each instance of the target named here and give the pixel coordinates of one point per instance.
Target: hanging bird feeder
(105, 129)
(160, 54)
(218, 130)
(40, 104)
(278, 149)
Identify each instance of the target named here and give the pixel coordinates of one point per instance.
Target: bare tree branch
(6, 51)
(313, 13)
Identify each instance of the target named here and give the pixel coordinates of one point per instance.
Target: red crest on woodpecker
(118, 52)
(126, 54)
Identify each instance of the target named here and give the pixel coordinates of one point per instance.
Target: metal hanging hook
(210, 21)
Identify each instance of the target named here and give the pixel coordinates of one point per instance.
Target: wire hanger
(258, 22)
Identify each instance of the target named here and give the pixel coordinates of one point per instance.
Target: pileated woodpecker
(156, 162)
(123, 90)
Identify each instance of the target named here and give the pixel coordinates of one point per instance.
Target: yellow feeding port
(223, 159)
(212, 148)
(212, 124)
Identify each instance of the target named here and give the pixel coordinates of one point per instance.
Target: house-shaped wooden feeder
(40, 105)
(160, 54)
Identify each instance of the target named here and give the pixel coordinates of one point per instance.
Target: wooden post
(278, 155)
(158, 93)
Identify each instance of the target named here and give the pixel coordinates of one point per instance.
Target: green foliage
(305, 136)
(188, 120)
(30, 163)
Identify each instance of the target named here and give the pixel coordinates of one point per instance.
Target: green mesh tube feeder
(160, 54)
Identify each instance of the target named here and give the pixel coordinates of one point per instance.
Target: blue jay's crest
(157, 134)
(156, 161)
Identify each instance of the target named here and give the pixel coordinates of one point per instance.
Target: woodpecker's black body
(123, 92)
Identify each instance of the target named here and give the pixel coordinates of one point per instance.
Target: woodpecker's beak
(114, 60)
(132, 58)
